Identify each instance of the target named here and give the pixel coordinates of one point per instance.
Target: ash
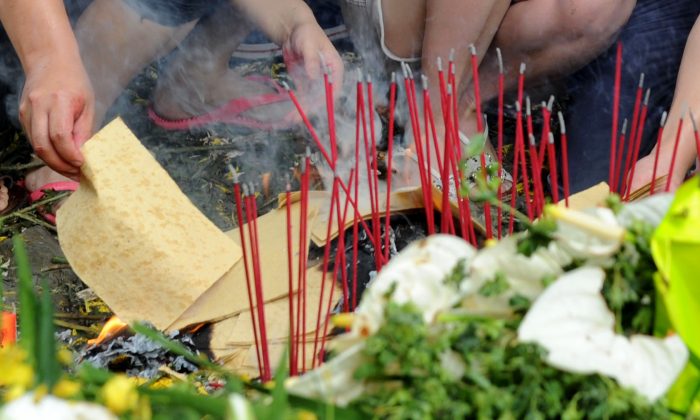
(137, 355)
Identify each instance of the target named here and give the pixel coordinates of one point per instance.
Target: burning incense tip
(308, 152)
(245, 189)
(528, 106)
(664, 116)
(531, 138)
(452, 54)
(234, 174)
(500, 60)
(641, 80)
(550, 103)
(424, 79)
(517, 106)
(360, 77)
(285, 85)
(439, 63)
(550, 138)
(410, 72)
(369, 78)
(393, 77)
(472, 49)
(624, 127)
(646, 97)
(562, 125)
(523, 67)
(449, 90)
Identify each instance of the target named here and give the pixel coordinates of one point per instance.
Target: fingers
(61, 126)
(36, 122)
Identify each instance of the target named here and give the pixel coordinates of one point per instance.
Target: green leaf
(28, 307)
(48, 368)
(476, 146)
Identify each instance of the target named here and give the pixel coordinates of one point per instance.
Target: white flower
(573, 323)
(417, 276)
(50, 407)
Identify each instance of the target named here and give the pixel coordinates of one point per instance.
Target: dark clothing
(653, 41)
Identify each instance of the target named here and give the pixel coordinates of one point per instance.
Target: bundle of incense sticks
(251, 261)
(438, 154)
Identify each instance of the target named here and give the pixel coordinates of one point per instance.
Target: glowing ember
(112, 327)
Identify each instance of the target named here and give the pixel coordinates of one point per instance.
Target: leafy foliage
(501, 377)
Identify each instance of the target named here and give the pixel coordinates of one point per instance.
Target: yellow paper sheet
(134, 237)
(591, 197)
(228, 296)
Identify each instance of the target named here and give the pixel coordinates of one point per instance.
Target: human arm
(291, 24)
(56, 106)
(687, 95)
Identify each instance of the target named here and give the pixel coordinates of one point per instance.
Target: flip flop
(231, 112)
(52, 186)
(17, 195)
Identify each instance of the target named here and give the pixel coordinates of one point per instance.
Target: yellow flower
(120, 395)
(14, 392)
(66, 388)
(306, 415)
(65, 357)
(14, 368)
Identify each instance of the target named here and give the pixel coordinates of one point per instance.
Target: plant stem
(34, 206)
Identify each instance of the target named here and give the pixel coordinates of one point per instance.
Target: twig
(34, 206)
(72, 326)
(21, 166)
(36, 221)
(209, 148)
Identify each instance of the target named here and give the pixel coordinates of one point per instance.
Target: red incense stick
(251, 214)
(675, 152)
(326, 260)
(697, 137)
(620, 152)
(374, 180)
(389, 161)
(499, 151)
(331, 162)
(290, 278)
(523, 162)
(615, 113)
(635, 122)
(564, 157)
(632, 141)
(480, 128)
(445, 178)
(637, 143)
(652, 188)
(536, 175)
(546, 129)
(426, 183)
(303, 220)
(553, 168)
(249, 289)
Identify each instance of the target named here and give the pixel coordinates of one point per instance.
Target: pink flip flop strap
(53, 186)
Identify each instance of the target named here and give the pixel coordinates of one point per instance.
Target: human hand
(57, 110)
(306, 49)
(644, 172)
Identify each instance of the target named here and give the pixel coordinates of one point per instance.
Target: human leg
(197, 78)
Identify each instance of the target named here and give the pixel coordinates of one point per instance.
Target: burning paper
(134, 237)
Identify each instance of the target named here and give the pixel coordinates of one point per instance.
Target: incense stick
(697, 138)
(554, 182)
(637, 143)
(251, 215)
(499, 150)
(290, 282)
(620, 152)
(546, 129)
(389, 160)
(656, 154)
(536, 174)
(615, 114)
(480, 128)
(374, 179)
(249, 290)
(564, 157)
(326, 258)
(633, 128)
(675, 150)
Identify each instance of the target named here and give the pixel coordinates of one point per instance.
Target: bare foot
(182, 94)
(4, 197)
(42, 176)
